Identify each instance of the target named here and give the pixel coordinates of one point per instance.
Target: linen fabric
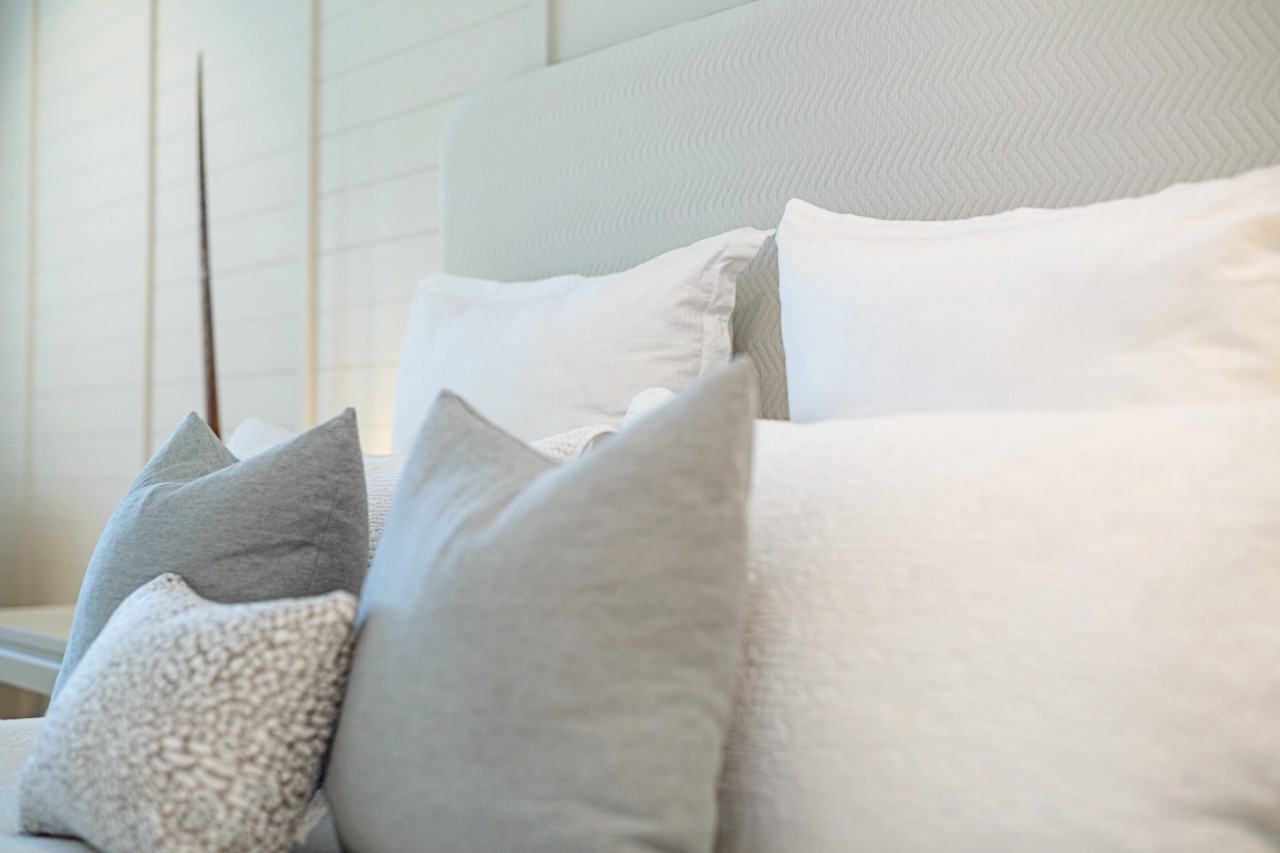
(547, 654)
(1165, 299)
(1051, 632)
(543, 357)
(191, 725)
(382, 471)
(289, 522)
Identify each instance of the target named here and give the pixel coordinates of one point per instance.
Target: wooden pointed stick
(206, 291)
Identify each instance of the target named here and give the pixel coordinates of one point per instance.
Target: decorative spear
(206, 292)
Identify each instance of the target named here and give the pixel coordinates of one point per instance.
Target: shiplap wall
(15, 176)
(322, 120)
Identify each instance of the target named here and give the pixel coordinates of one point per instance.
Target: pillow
(1169, 298)
(1030, 631)
(289, 522)
(382, 472)
(191, 725)
(543, 357)
(546, 654)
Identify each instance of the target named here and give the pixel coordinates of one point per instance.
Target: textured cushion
(382, 472)
(543, 357)
(1012, 632)
(289, 522)
(191, 725)
(547, 654)
(1168, 298)
(16, 737)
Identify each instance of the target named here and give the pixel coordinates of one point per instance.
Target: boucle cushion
(191, 725)
(289, 522)
(547, 653)
(1018, 632)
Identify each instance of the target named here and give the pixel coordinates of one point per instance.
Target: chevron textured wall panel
(906, 109)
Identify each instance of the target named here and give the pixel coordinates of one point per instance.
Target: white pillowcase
(1169, 298)
(543, 357)
(1050, 632)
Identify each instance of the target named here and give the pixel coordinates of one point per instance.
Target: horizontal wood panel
(269, 237)
(382, 272)
(71, 282)
(235, 89)
(362, 334)
(98, 95)
(118, 139)
(261, 131)
(272, 398)
(59, 461)
(331, 10)
(264, 344)
(378, 30)
(89, 414)
(400, 145)
(67, 26)
(63, 239)
(79, 325)
(369, 390)
(238, 298)
(233, 32)
(428, 74)
(234, 192)
(399, 208)
(67, 370)
(79, 505)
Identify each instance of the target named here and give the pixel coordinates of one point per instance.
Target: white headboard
(919, 109)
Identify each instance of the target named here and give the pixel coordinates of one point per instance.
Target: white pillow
(1049, 632)
(542, 357)
(1169, 298)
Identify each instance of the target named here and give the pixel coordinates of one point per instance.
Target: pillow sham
(546, 654)
(1169, 298)
(191, 725)
(543, 357)
(1029, 631)
(289, 522)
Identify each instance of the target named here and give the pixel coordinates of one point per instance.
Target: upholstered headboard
(919, 109)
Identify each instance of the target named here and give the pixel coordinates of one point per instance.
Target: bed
(898, 109)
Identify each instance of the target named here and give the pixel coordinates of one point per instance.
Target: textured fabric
(898, 109)
(546, 654)
(1009, 632)
(382, 472)
(1168, 298)
(16, 737)
(289, 522)
(542, 357)
(191, 725)
(15, 742)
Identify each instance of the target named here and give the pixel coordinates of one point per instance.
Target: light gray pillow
(191, 725)
(289, 522)
(547, 654)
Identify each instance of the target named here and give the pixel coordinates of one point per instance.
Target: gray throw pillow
(546, 654)
(287, 523)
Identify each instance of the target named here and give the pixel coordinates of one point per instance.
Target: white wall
(322, 124)
(581, 26)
